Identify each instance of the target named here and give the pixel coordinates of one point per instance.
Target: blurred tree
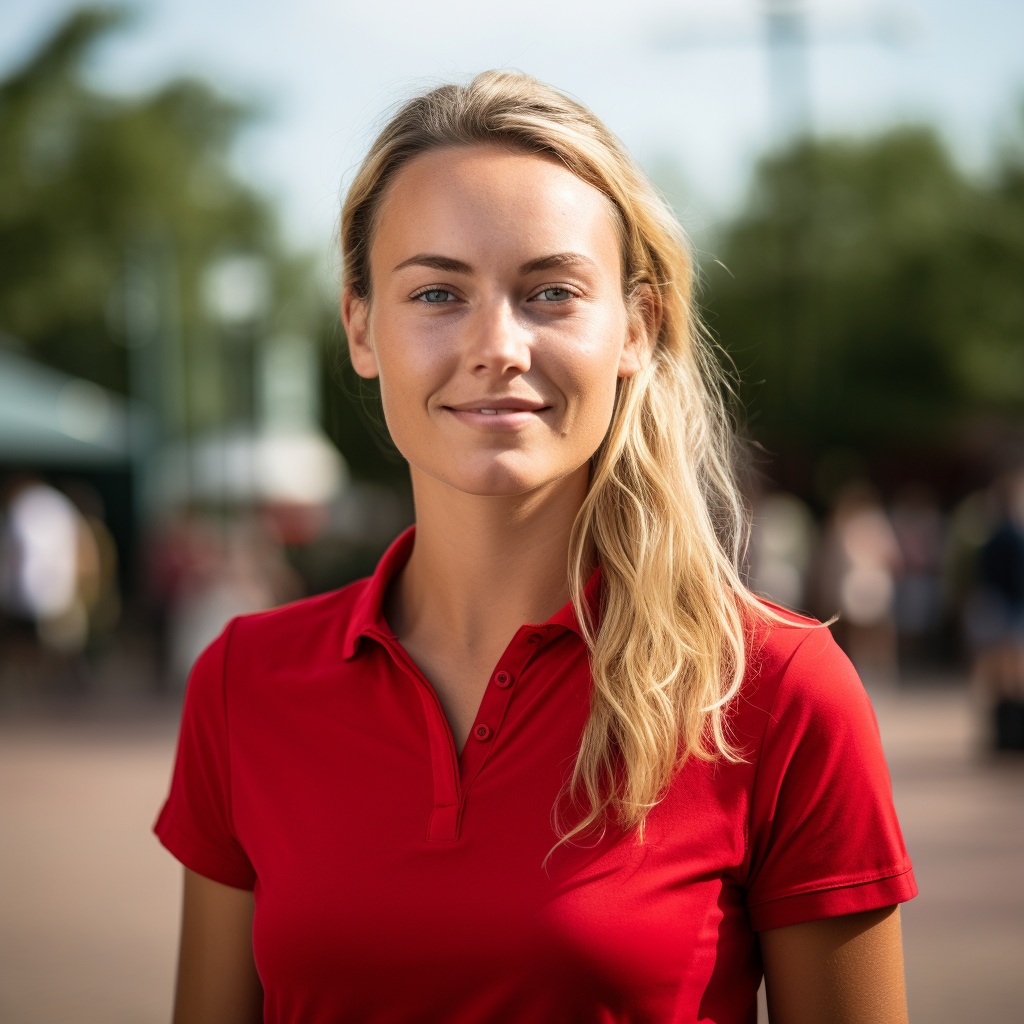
(992, 364)
(116, 213)
(91, 184)
(870, 294)
(354, 416)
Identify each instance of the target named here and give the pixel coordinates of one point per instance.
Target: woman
(552, 762)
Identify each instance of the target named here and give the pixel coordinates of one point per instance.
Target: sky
(684, 84)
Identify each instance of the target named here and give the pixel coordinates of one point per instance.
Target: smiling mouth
(509, 407)
(506, 417)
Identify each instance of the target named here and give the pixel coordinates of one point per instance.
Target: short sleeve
(824, 837)
(195, 823)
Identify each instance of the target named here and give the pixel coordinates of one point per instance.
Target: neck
(483, 566)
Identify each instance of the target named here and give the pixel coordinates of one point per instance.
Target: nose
(497, 346)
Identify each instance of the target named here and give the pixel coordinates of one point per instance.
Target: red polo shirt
(399, 881)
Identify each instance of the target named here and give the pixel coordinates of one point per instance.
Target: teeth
(489, 412)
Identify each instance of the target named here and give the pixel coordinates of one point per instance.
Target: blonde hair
(663, 516)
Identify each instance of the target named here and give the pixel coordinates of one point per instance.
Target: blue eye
(555, 294)
(435, 295)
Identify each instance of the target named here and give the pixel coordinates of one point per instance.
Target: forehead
(481, 203)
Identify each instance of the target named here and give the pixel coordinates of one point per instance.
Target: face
(497, 322)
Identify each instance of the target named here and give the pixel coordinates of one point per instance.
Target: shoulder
(313, 629)
(822, 834)
(797, 676)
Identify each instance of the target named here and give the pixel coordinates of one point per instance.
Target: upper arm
(824, 840)
(840, 970)
(197, 822)
(217, 979)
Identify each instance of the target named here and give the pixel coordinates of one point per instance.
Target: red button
(482, 732)
(533, 638)
(503, 679)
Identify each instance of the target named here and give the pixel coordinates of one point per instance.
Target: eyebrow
(555, 261)
(427, 259)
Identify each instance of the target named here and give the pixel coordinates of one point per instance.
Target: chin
(497, 477)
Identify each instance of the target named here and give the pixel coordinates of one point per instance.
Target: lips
(499, 406)
(498, 414)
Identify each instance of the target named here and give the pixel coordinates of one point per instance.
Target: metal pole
(789, 80)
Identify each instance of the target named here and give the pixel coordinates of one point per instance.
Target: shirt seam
(173, 825)
(227, 727)
(769, 722)
(850, 883)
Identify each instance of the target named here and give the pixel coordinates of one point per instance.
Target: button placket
(497, 697)
(446, 817)
(454, 774)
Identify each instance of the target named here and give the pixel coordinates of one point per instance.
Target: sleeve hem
(201, 859)
(833, 902)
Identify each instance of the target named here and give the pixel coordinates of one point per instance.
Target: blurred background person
(782, 545)
(860, 562)
(918, 523)
(996, 615)
(211, 571)
(57, 569)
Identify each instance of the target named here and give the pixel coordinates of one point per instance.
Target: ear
(644, 323)
(355, 314)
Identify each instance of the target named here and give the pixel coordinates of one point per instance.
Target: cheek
(594, 405)
(404, 360)
(411, 369)
(590, 383)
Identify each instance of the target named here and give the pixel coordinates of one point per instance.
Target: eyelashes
(565, 294)
(433, 295)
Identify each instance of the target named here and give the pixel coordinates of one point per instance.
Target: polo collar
(367, 617)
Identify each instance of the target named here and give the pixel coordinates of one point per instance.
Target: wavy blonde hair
(663, 516)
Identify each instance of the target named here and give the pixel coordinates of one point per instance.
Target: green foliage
(354, 420)
(89, 182)
(108, 202)
(871, 294)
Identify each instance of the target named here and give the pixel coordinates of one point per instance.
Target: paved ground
(88, 900)
(962, 813)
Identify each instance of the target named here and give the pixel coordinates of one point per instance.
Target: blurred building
(67, 523)
(226, 504)
(69, 431)
(279, 459)
(89, 481)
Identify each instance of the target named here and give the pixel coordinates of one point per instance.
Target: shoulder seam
(229, 632)
(769, 721)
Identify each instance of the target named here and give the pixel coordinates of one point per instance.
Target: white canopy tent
(51, 418)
